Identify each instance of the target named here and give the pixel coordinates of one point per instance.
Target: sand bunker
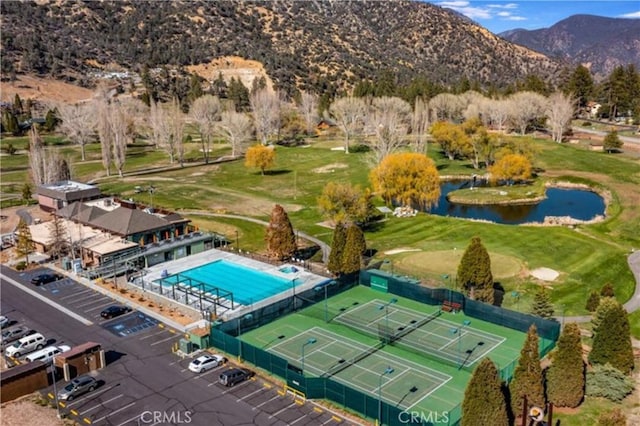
(545, 274)
(400, 250)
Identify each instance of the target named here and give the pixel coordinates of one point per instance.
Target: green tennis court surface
(368, 331)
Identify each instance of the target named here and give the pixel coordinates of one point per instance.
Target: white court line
(280, 411)
(113, 412)
(101, 404)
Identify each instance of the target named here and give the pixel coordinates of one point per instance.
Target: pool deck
(303, 279)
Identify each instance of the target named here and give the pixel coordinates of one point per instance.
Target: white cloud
(503, 6)
(504, 14)
(516, 18)
(631, 15)
(466, 9)
(453, 4)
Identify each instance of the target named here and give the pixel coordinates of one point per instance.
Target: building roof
(124, 221)
(80, 212)
(41, 233)
(68, 190)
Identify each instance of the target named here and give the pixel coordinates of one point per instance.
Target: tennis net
(348, 363)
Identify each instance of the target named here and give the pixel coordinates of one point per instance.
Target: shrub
(608, 382)
(359, 148)
(614, 417)
(21, 266)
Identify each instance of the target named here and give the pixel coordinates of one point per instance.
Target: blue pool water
(247, 285)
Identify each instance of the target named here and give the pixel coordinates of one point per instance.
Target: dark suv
(234, 376)
(45, 279)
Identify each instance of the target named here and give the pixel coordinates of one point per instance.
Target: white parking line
(280, 411)
(99, 307)
(249, 395)
(113, 412)
(101, 404)
(327, 421)
(84, 297)
(213, 370)
(164, 340)
(232, 387)
(151, 335)
(76, 294)
(292, 423)
(137, 416)
(265, 402)
(100, 300)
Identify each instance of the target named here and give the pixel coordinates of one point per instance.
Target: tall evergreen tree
(26, 193)
(474, 271)
(338, 244)
(593, 301)
(280, 238)
(566, 376)
(542, 305)
(355, 245)
(580, 85)
(612, 338)
(58, 237)
(527, 377)
(25, 244)
(484, 402)
(612, 141)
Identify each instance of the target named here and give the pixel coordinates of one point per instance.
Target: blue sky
(499, 15)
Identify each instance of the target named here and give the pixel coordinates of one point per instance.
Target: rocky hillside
(597, 42)
(302, 44)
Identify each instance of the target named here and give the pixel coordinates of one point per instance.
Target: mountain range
(597, 42)
(309, 45)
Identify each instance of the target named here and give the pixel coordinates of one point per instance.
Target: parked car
(206, 362)
(115, 311)
(25, 345)
(4, 321)
(234, 376)
(45, 278)
(77, 387)
(14, 334)
(46, 355)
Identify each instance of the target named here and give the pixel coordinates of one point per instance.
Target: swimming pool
(247, 285)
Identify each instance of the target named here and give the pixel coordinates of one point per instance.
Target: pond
(576, 203)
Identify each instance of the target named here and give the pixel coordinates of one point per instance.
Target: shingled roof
(80, 212)
(124, 221)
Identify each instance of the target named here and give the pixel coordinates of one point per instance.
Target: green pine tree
(542, 305)
(25, 244)
(527, 377)
(484, 402)
(606, 381)
(593, 301)
(474, 271)
(606, 304)
(337, 249)
(26, 193)
(280, 238)
(612, 141)
(566, 376)
(355, 245)
(612, 338)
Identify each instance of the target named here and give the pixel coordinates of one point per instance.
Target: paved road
(629, 139)
(326, 249)
(143, 377)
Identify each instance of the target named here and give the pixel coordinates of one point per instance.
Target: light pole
(458, 331)
(311, 341)
(326, 306)
(293, 292)
(247, 317)
(55, 391)
(386, 317)
(152, 189)
(237, 241)
(388, 370)
(446, 277)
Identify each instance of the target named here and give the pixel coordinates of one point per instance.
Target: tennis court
(457, 343)
(397, 381)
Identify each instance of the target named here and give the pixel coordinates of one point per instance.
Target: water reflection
(576, 203)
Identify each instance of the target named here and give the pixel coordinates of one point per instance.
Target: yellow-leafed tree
(410, 179)
(511, 167)
(261, 157)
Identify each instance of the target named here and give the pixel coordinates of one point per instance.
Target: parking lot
(144, 381)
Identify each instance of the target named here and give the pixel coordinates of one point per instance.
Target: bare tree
(103, 109)
(119, 127)
(559, 111)
(36, 157)
(157, 126)
(420, 124)
(237, 129)
(266, 106)
(78, 123)
(525, 107)
(388, 119)
(349, 114)
(497, 111)
(205, 111)
(308, 108)
(446, 107)
(176, 127)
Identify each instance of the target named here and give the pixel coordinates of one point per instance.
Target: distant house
(593, 108)
(54, 196)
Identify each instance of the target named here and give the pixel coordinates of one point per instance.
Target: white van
(25, 345)
(46, 355)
